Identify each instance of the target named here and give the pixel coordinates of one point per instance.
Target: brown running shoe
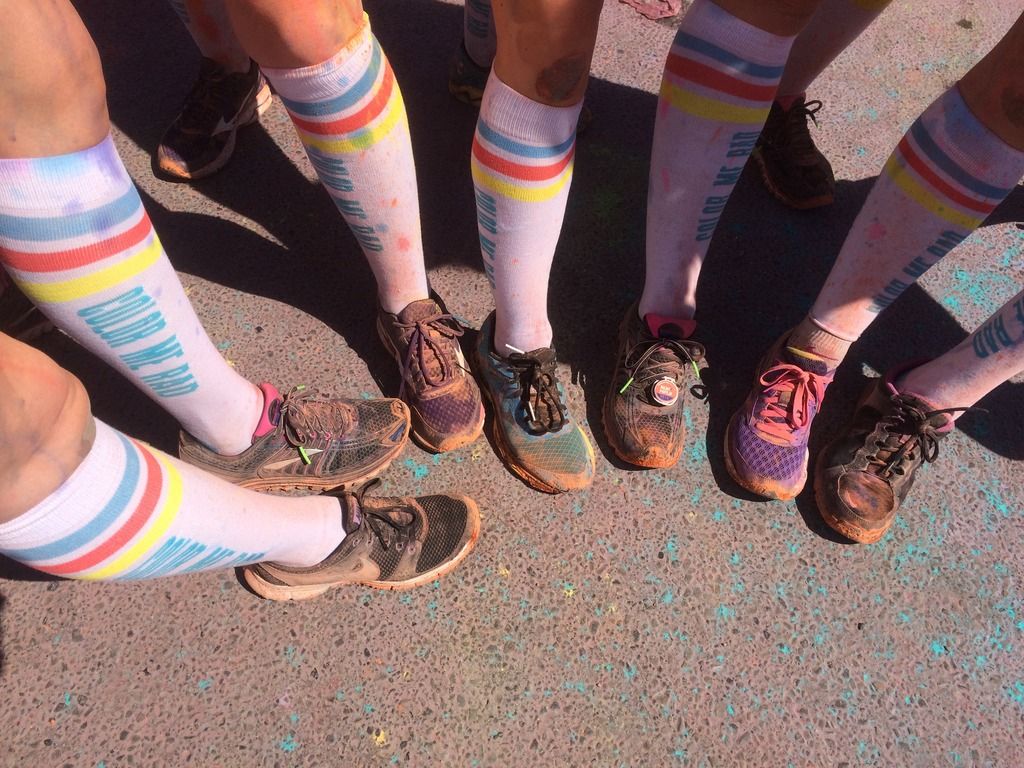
(390, 543)
(436, 382)
(643, 409)
(793, 169)
(865, 474)
(310, 444)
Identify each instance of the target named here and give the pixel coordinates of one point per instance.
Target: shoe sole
(261, 103)
(748, 486)
(853, 532)
(421, 441)
(806, 204)
(270, 591)
(521, 472)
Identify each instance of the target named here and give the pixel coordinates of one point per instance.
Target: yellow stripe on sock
(520, 192)
(711, 109)
(172, 501)
(87, 285)
(365, 137)
(915, 191)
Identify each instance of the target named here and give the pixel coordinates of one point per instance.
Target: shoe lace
(303, 419)
(539, 396)
(201, 112)
(797, 135)
(394, 527)
(656, 358)
(428, 353)
(908, 428)
(787, 399)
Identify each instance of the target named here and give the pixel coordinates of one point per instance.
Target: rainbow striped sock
(76, 239)
(719, 81)
(944, 177)
(522, 169)
(350, 116)
(131, 512)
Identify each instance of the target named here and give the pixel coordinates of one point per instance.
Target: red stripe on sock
(363, 117)
(914, 161)
(83, 256)
(132, 525)
(702, 74)
(518, 171)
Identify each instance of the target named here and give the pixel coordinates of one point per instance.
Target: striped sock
(76, 239)
(719, 82)
(350, 116)
(522, 168)
(944, 177)
(131, 512)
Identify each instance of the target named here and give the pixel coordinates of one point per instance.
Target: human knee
(295, 34)
(780, 17)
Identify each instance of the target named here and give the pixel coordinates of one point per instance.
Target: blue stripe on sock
(345, 100)
(523, 150)
(96, 526)
(728, 58)
(949, 166)
(71, 224)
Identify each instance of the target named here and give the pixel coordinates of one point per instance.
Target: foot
(766, 441)
(467, 80)
(643, 409)
(863, 476)
(389, 543)
(436, 384)
(309, 444)
(793, 169)
(20, 318)
(202, 137)
(533, 430)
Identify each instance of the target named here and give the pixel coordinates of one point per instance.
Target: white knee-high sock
(977, 365)
(944, 177)
(129, 511)
(719, 82)
(75, 237)
(522, 169)
(349, 113)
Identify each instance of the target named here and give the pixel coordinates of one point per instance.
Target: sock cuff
(515, 116)
(324, 80)
(98, 475)
(63, 182)
(831, 330)
(947, 131)
(715, 26)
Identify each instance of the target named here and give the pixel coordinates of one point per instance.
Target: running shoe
(643, 409)
(201, 139)
(436, 383)
(766, 440)
(390, 543)
(302, 443)
(863, 476)
(793, 169)
(533, 430)
(20, 318)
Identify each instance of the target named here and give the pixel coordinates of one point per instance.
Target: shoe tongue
(419, 310)
(807, 360)
(351, 513)
(664, 327)
(271, 415)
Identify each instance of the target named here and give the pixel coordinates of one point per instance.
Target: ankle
(814, 338)
(787, 101)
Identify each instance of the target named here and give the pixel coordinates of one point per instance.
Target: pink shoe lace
(790, 398)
